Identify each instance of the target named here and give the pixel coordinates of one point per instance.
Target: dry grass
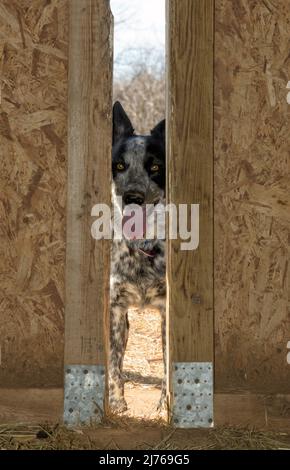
(44, 437)
(140, 427)
(233, 438)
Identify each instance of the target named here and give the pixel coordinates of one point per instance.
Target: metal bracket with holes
(192, 394)
(84, 389)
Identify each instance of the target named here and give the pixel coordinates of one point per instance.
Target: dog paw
(118, 406)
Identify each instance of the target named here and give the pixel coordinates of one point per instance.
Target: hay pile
(45, 437)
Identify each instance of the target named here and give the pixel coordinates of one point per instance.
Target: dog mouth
(137, 219)
(134, 221)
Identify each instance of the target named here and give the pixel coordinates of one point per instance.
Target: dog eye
(120, 166)
(154, 168)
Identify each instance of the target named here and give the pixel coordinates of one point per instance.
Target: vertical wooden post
(89, 177)
(190, 180)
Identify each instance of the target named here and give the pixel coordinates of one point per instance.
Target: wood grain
(89, 177)
(33, 175)
(190, 176)
(252, 203)
(252, 410)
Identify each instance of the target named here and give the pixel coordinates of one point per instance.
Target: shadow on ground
(138, 378)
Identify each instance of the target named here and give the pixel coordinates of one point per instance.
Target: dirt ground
(143, 365)
(30, 419)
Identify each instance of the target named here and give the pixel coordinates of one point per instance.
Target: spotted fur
(137, 280)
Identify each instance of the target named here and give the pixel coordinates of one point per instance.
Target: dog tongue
(134, 223)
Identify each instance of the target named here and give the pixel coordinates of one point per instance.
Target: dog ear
(122, 126)
(159, 130)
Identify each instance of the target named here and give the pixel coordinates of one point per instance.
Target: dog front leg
(119, 329)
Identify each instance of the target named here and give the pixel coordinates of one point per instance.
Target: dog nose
(134, 198)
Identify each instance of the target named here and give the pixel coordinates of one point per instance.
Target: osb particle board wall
(252, 121)
(33, 55)
(252, 209)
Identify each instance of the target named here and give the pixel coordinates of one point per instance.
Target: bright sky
(138, 24)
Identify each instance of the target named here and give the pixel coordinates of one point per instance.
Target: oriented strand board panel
(33, 126)
(252, 208)
(89, 180)
(190, 176)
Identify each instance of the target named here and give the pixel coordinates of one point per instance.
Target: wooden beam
(35, 405)
(190, 36)
(89, 179)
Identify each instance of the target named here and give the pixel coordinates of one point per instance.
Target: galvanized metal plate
(84, 388)
(192, 394)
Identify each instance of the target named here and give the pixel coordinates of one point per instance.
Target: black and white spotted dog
(137, 266)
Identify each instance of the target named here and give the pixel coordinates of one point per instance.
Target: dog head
(138, 162)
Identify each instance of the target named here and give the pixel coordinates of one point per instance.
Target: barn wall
(250, 184)
(252, 210)
(33, 115)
